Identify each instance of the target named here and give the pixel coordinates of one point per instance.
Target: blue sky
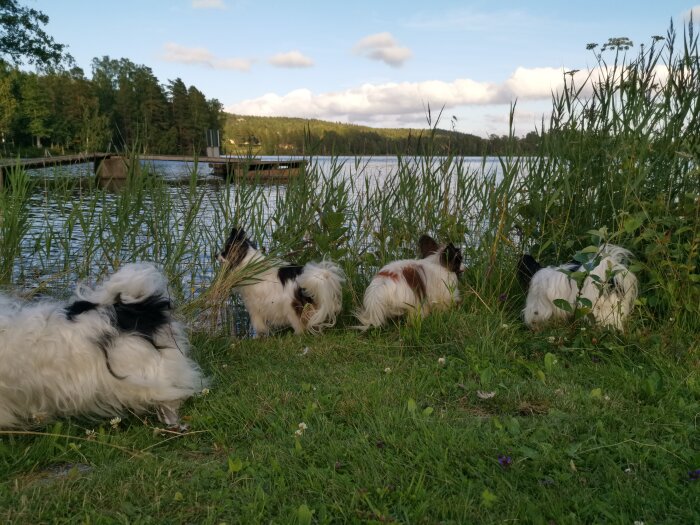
(373, 62)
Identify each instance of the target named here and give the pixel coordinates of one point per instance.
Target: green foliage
(22, 38)
(15, 191)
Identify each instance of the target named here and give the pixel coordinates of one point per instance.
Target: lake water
(52, 250)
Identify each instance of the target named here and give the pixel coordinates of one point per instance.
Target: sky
(379, 62)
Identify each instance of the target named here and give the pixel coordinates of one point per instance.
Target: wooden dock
(111, 166)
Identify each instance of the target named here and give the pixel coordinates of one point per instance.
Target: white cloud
(695, 12)
(383, 47)
(208, 4)
(202, 57)
(406, 98)
(293, 59)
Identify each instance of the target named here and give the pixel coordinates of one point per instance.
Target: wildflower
(442, 361)
(505, 461)
(504, 326)
(89, 434)
(551, 339)
(298, 432)
(387, 370)
(302, 426)
(503, 297)
(694, 474)
(205, 392)
(628, 470)
(115, 421)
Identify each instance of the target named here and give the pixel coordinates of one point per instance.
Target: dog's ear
(235, 247)
(427, 246)
(527, 267)
(452, 259)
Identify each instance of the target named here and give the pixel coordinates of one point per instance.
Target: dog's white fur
(432, 286)
(270, 302)
(53, 366)
(612, 301)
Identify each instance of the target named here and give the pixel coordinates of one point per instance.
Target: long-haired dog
(308, 298)
(110, 349)
(609, 285)
(413, 285)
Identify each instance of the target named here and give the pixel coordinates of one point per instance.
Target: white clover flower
(504, 326)
(115, 421)
(387, 370)
(205, 392)
(442, 361)
(302, 426)
(89, 433)
(551, 339)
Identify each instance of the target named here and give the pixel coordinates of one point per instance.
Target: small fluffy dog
(308, 298)
(610, 287)
(110, 349)
(413, 285)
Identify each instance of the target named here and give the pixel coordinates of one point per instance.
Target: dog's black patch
(451, 258)
(104, 342)
(527, 267)
(301, 299)
(236, 247)
(78, 307)
(144, 318)
(289, 273)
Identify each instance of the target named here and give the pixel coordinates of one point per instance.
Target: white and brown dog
(413, 285)
(308, 298)
(110, 349)
(609, 286)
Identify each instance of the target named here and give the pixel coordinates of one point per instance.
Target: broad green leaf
(563, 304)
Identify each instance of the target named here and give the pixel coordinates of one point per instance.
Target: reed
(617, 160)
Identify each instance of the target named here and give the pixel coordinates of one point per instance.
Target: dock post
(112, 172)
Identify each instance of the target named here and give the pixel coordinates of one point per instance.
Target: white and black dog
(110, 349)
(413, 285)
(610, 287)
(308, 298)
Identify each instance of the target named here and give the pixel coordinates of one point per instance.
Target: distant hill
(245, 134)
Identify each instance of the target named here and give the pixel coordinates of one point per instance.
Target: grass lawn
(466, 418)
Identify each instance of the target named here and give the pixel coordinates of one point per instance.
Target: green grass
(599, 428)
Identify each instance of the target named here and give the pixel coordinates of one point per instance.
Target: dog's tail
(527, 267)
(373, 312)
(623, 281)
(617, 253)
(322, 282)
(138, 293)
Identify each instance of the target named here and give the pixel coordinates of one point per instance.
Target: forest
(122, 106)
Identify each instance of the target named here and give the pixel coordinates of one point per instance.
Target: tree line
(122, 106)
(245, 134)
